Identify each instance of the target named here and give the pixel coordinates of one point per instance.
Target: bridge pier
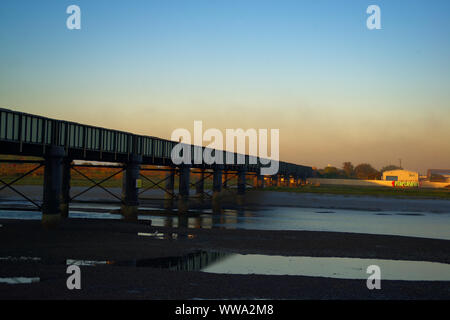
(241, 187)
(217, 181)
(217, 189)
(260, 181)
(277, 180)
(51, 209)
(170, 189)
(225, 179)
(65, 188)
(274, 180)
(200, 185)
(183, 200)
(130, 189)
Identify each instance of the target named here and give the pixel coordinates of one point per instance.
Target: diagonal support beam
(96, 184)
(9, 184)
(201, 180)
(156, 184)
(20, 193)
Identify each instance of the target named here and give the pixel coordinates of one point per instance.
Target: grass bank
(369, 191)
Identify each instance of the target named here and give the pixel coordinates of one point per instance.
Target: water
(230, 263)
(89, 263)
(425, 225)
(330, 267)
(414, 224)
(166, 236)
(19, 280)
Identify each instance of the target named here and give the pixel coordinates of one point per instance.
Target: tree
(331, 172)
(348, 169)
(390, 167)
(366, 171)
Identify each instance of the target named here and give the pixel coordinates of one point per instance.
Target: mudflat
(117, 240)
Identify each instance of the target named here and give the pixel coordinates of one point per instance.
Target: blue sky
(310, 68)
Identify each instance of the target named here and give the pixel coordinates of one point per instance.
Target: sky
(336, 90)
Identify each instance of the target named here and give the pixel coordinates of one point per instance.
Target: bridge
(59, 143)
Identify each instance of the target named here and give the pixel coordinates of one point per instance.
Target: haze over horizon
(336, 90)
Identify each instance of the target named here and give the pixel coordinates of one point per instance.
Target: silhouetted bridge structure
(60, 142)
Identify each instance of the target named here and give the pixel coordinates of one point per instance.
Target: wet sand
(118, 240)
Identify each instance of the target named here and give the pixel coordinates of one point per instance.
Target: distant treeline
(363, 171)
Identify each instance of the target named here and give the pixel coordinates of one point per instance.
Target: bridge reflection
(194, 261)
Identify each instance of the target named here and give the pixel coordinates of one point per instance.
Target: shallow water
(231, 263)
(426, 225)
(19, 280)
(330, 267)
(414, 224)
(166, 236)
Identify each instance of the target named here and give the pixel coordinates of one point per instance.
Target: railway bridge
(59, 143)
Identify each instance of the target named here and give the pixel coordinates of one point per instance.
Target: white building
(400, 175)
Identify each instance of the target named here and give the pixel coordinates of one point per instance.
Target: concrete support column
(65, 188)
(217, 180)
(260, 181)
(225, 179)
(241, 187)
(217, 189)
(183, 200)
(51, 210)
(200, 185)
(130, 189)
(170, 187)
(274, 180)
(241, 181)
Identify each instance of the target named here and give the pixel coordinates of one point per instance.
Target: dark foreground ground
(118, 240)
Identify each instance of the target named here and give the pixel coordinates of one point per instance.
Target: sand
(117, 240)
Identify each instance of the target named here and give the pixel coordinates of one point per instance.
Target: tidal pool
(330, 267)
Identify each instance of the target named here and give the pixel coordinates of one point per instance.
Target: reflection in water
(19, 259)
(19, 280)
(229, 263)
(166, 236)
(191, 262)
(88, 263)
(330, 267)
(424, 224)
